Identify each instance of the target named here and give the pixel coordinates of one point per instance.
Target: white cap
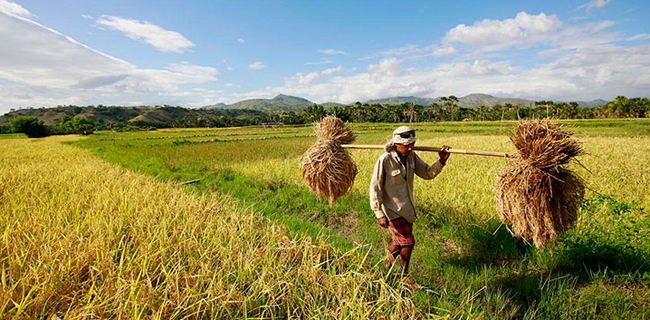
(397, 135)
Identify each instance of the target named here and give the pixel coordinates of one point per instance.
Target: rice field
(118, 237)
(83, 238)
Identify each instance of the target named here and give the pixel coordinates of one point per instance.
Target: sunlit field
(121, 237)
(82, 238)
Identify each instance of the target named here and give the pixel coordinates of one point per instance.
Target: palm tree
(450, 103)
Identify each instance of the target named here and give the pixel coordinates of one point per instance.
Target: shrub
(30, 126)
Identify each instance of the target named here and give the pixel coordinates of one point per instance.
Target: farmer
(391, 190)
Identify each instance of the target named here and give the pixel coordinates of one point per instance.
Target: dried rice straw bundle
(327, 168)
(536, 195)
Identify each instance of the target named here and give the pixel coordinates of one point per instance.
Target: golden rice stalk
(328, 169)
(536, 196)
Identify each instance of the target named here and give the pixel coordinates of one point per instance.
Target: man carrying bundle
(391, 190)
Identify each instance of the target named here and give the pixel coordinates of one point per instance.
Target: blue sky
(195, 53)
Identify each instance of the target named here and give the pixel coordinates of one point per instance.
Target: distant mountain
(400, 100)
(280, 102)
(328, 105)
(476, 100)
(215, 106)
(593, 103)
(290, 103)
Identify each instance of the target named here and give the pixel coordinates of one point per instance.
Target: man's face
(404, 149)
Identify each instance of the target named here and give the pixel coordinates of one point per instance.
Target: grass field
(469, 264)
(82, 238)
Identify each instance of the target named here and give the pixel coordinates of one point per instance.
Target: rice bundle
(327, 168)
(536, 195)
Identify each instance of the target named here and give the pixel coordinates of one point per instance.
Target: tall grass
(81, 238)
(470, 265)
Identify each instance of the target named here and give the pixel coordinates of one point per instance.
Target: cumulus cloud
(163, 40)
(495, 35)
(595, 4)
(331, 51)
(240, 40)
(257, 65)
(598, 72)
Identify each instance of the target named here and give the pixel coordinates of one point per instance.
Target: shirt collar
(396, 155)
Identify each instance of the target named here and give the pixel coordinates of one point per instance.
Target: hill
(279, 102)
(476, 100)
(290, 103)
(103, 115)
(400, 100)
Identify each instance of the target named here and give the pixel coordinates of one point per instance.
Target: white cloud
(42, 67)
(257, 65)
(33, 54)
(406, 50)
(13, 9)
(586, 35)
(161, 39)
(332, 70)
(524, 32)
(496, 35)
(387, 67)
(586, 74)
(447, 51)
(193, 73)
(319, 62)
(331, 51)
(301, 80)
(240, 40)
(87, 17)
(642, 36)
(595, 4)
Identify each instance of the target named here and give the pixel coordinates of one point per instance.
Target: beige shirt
(391, 187)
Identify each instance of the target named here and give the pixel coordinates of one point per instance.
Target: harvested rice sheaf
(327, 168)
(537, 198)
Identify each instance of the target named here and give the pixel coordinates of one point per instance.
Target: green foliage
(623, 107)
(614, 236)
(291, 110)
(30, 126)
(74, 125)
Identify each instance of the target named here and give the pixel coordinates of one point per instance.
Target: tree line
(447, 110)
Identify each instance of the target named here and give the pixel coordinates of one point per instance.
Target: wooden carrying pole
(435, 149)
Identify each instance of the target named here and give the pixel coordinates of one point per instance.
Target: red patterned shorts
(401, 232)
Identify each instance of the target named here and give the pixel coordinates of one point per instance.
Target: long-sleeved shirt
(391, 187)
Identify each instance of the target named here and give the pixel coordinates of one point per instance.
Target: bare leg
(405, 257)
(393, 252)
